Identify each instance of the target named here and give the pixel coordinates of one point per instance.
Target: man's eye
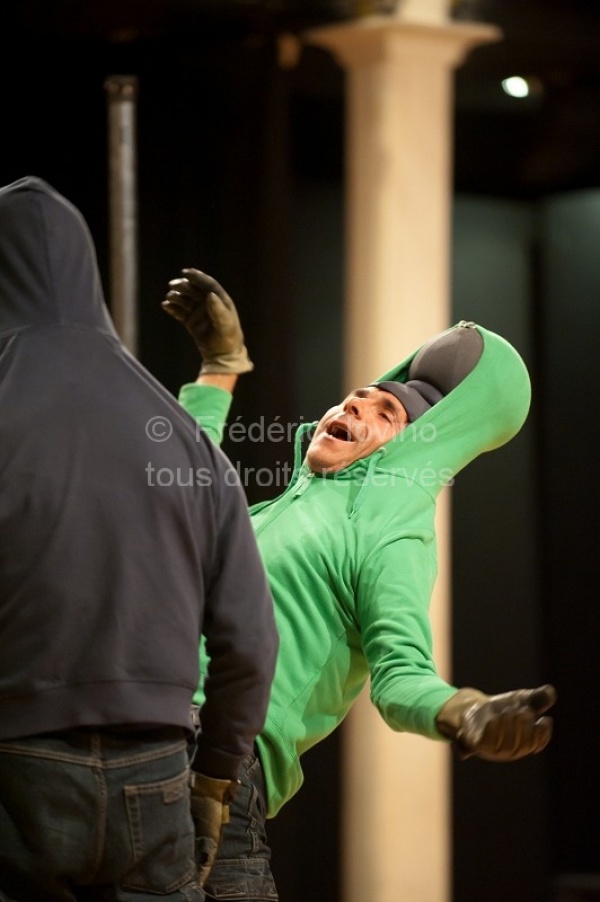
(386, 416)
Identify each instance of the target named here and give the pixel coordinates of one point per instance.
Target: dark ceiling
(547, 142)
(539, 27)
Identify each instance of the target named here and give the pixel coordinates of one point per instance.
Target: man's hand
(209, 799)
(498, 727)
(209, 315)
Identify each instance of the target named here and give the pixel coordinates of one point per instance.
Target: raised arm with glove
(209, 315)
(502, 727)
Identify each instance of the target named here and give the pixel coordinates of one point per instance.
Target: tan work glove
(498, 727)
(209, 315)
(209, 799)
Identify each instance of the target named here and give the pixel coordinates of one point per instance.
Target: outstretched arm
(393, 594)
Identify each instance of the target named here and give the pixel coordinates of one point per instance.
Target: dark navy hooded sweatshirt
(124, 532)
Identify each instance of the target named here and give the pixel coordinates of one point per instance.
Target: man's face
(365, 420)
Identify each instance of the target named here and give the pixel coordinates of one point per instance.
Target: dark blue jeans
(242, 870)
(96, 815)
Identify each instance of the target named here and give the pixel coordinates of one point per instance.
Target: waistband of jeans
(143, 732)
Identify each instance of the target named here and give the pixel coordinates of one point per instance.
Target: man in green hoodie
(350, 552)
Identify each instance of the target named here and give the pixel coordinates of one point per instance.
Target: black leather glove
(209, 315)
(210, 810)
(498, 727)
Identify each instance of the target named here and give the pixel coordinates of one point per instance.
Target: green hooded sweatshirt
(351, 560)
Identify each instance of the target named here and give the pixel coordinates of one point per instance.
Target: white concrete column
(399, 77)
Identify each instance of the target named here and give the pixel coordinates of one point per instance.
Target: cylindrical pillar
(122, 102)
(396, 794)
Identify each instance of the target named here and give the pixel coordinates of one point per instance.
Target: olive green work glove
(209, 315)
(498, 727)
(209, 798)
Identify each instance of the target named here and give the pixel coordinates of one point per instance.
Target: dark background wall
(240, 172)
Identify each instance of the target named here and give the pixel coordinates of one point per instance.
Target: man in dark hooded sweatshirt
(124, 535)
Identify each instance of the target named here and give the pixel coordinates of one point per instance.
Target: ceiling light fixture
(515, 86)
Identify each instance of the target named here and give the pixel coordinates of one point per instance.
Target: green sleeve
(393, 606)
(209, 405)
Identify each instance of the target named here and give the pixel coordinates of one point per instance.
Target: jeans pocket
(242, 879)
(162, 835)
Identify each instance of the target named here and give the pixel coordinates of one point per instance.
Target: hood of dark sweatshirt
(48, 267)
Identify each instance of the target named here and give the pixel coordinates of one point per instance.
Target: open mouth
(340, 432)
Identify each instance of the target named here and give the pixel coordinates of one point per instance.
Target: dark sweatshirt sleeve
(241, 642)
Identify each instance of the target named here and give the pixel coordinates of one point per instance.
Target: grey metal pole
(122, 93)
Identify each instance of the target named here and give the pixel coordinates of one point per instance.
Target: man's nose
(355, 406)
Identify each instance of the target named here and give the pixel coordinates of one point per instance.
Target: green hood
(482, 412)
